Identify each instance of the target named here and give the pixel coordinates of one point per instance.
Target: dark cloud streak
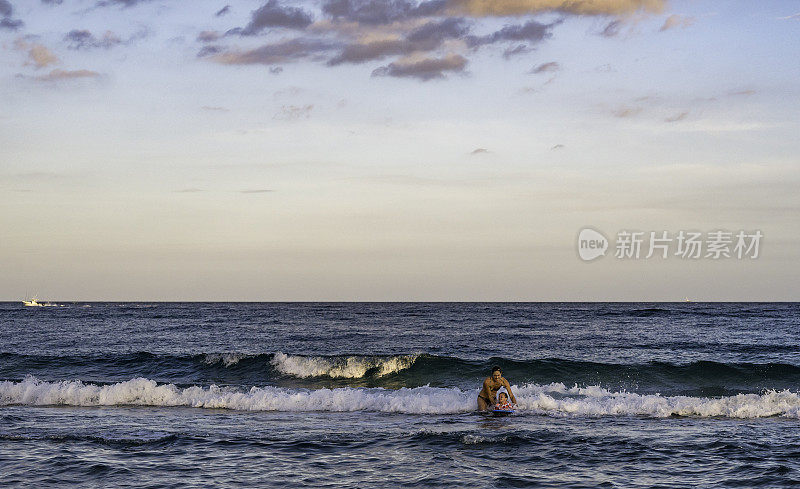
(425, 38)
(84, 39)
(124, 3)
(549, 67)
(272, 14)
(208, 36)
(6, 12)
(424, 69)
(270, 54)
(516, 50)
(677, 117)
(531, 31)
(376, 12)
(209, 51)
(612, 29)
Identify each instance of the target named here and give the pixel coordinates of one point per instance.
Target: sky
(376, 150)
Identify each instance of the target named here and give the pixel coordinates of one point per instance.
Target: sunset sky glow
(393, 150)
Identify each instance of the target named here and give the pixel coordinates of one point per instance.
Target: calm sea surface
(384, 395)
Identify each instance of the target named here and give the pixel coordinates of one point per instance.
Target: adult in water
(493, 383)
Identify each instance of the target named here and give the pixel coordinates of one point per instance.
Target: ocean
(634, 395)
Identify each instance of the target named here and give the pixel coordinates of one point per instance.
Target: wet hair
(496, 368)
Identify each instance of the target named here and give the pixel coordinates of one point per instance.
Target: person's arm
(485, 391)
(510, 394)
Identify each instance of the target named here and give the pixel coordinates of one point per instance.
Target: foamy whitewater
(351, 367)
(385, 395)
(536, 399)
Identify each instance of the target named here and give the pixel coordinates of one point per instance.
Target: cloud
(270, 54)
(790, 17)
(10, 24)
(676, 20)
(478, 151)
(56, 75)
(84, 39)
(436, 32)
(549, 67)
(294, 112)
(624, 112)
(422, 39)
(38, 55)
(516, 50)
(425, 38)
(424, 69)
(612, 29)
(209, 51)
(6, 12)
(359, 53)
(677, 117)
(214, 108)
(272, 14)
(52, 2)
(124, 3)
(224, 10)
(376, 12)
(208, 36)
(191, 190)
(257, 191)
(531, 31)
(485, 8)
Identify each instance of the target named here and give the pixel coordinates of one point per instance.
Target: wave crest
(353, 367)
(552, 399)
(557, 399)
(226, 359)
(145, 392)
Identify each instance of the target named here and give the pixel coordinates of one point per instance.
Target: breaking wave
(354, 367)
(226, 359)
(552, 399)
(695, 379)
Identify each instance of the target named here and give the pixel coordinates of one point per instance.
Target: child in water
(502, 401)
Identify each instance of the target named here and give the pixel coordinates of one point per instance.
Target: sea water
(384, 394)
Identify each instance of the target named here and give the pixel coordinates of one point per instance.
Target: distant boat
(34, 303)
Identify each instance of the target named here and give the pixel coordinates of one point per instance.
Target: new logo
(591, 244)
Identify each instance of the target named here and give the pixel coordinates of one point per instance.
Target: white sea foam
(144, 392)
(552, 399)
(470, 439)
(340, 367)
(597, 401)
(226, 359)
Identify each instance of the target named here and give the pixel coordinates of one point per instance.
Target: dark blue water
(383, 395)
